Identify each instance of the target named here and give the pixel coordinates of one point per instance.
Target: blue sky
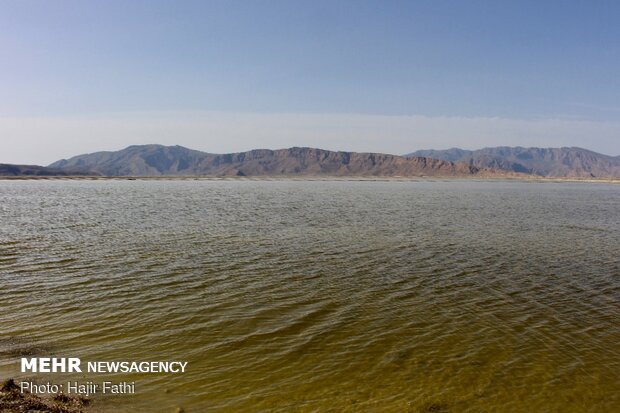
(72, 70)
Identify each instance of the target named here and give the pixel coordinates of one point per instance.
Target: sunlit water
(293, 296)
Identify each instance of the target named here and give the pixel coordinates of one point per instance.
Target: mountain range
(551, 162)
(157, 160)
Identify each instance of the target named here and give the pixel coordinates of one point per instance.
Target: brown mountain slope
(157, 160)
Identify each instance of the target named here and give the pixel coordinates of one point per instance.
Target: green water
(292, 296)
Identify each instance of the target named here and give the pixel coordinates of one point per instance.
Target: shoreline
(326, 178)
(12, 399)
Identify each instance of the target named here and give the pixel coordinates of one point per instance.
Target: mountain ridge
(159, 160)
(563, 162)
(36, 170)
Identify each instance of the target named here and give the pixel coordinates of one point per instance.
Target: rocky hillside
(553, 162)
(156, 160)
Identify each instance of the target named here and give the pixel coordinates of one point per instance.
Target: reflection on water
(321, 296)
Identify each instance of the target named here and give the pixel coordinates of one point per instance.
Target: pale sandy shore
(317, 178)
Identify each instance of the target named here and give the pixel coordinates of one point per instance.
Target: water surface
(283, 296)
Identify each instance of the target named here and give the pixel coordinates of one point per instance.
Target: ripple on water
(322, 296)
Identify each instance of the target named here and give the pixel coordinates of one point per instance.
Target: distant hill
(35, 170)
(156, 160)
(552, 162)
(452, 154)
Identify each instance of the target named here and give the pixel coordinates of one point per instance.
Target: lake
(313, 296)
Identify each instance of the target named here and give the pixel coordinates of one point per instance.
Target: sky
(381, 76)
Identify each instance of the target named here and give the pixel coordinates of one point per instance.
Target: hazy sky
(388, 76)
